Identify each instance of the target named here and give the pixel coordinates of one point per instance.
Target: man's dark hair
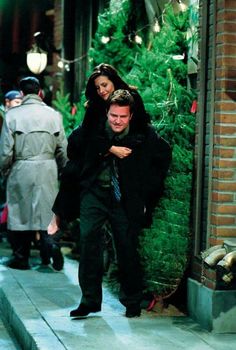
(29, 85)
(121, 98)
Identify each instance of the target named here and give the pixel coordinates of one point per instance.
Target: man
(13, 98)
(32, 147)
(122, 190)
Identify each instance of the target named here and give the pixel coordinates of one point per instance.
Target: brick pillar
(212, 288)
(223, 207)
(58, 38)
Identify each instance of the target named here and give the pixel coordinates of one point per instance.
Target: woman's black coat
(141, 174)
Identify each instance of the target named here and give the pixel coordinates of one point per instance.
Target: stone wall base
(214, 310)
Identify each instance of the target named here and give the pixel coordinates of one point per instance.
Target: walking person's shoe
(133, 311)
(83, 310)
(57, 258)
(18, 264)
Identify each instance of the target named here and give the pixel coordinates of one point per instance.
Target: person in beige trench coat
(32, 153)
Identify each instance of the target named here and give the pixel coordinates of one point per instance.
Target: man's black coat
(141, 174)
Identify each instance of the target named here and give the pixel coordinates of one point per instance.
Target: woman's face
(104, 86)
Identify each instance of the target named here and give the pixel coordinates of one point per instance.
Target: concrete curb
(28, 325)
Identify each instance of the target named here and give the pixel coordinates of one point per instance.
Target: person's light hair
(121, 98)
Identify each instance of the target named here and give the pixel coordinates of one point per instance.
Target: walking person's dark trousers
(47, 242)
(97, 206)
(20, 243)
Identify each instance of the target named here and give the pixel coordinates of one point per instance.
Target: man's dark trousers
(97, 206)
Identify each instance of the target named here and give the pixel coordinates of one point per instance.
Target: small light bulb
(156, 26)
(183, 7)
(60, 65)
(138, 39)
(105, 39)
(178, 57)
(67, 67)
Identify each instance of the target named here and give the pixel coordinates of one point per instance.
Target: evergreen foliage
(120, 50)
(162, 82)
(72, 115)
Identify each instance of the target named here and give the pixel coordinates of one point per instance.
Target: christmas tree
(161, 76)
(113, 42)
(158, 67)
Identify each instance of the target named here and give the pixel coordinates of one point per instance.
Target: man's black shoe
(83, 310)
(133, 311)
(57, 258)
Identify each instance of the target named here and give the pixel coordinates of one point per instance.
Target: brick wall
(58, 23)
(58, 37)
(223, 196)
(218, 202)
(203, 274)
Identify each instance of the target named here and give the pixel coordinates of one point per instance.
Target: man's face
(119, 117)
(13, 103)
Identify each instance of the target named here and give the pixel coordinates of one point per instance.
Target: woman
(102, 82)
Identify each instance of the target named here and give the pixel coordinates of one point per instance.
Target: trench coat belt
(44, 156)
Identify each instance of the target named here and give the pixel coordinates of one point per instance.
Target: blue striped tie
(115, 182)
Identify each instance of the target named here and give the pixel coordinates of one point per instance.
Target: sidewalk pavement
(36, 303)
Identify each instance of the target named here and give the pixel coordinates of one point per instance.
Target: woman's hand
(120, 152)
(54, 225)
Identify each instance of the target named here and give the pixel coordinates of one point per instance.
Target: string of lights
(65, 63)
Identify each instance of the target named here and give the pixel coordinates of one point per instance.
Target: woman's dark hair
(108, 71)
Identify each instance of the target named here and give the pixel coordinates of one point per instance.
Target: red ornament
(194, 107)
(4, 215)
(153, 302)
(73, 110)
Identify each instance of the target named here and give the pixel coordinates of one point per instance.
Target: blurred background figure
(13, 98)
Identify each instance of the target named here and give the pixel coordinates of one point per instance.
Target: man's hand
(120, 152)
(54, 225)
